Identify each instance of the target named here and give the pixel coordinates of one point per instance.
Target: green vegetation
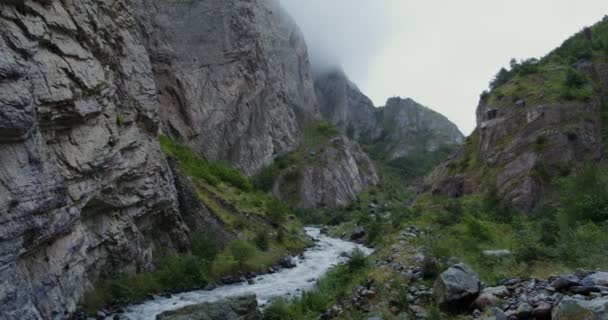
(337, 284)
(316, 139)
(198, 168)
(264, 236)
(552, 78)
(570, 230)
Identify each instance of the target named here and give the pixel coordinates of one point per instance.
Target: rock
(331, 313)
(542, 311)
(596, 279)
(287, 262)
(500, 291)
(570, 308)
(485, 300)
(456, 288)
(242, 308)
(524, 311)
(497, 253)
(520, 103)
(499, 314)
(419, 312)
(358, 233)
(565, 282)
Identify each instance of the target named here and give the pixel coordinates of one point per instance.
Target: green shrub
(357, 260)
(276, 211)
(278, 310)
(584, 197)
(261, 241)
(197, 167)
(205, 245)
(242, 252)
(265, 179)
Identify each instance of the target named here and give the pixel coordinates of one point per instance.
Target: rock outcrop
(537, 126)
(456, 288)
(401, 128)
(241, 308)
(234, 79)
(84, 187)
(406, 127)
(339, 172)
(85, 87)
(345, 106)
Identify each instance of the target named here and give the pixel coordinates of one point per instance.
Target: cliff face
(332, 175)
(84, 187)
(400, 129)
(405, 127)
(234, 78)
(85, 86)
(342, 104)
(543, 120)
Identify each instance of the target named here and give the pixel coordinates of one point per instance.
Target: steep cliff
(344, 105)
(233, 77)
(84, 186)
(542, 120)
(85, 87)
(402, 128)
(405, 128)
(331, 175)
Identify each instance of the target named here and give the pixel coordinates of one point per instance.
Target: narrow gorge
(162, 154)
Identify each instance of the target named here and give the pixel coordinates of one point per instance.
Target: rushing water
(288, 282)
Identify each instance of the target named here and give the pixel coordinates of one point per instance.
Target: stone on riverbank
(241, 308)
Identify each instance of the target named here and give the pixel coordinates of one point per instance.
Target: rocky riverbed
(286, 282)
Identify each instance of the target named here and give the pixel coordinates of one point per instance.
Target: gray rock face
(344, 105)
(242, 308)
(234, 78)
(524, 146)
(84, 187)
(403, 127)
(456, 288)
(570, 309)
(521, 140)
(342, 171)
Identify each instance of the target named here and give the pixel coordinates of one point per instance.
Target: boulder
(565, 282)
(596, 279)
(578, 309)
(456, 288)
(358, 233)
(241, 308)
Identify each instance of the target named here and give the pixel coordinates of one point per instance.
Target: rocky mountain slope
(542, 120)
(84, 185)
(234, 79)
(401, 128)
(85, 86)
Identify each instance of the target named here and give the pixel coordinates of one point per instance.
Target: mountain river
(316, 262)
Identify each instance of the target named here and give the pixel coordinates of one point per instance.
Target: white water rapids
(285, 283)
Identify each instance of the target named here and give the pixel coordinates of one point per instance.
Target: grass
(264, 230)
(336, 284)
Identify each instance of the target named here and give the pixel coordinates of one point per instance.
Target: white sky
(440, 53)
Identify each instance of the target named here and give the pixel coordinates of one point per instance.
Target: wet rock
(287, 262)
(358, 233)
(456, 288)
(419, 312)
(242, 308)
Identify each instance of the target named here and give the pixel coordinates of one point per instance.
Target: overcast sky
(440, 53)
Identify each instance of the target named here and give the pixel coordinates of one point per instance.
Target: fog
(440, 53)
